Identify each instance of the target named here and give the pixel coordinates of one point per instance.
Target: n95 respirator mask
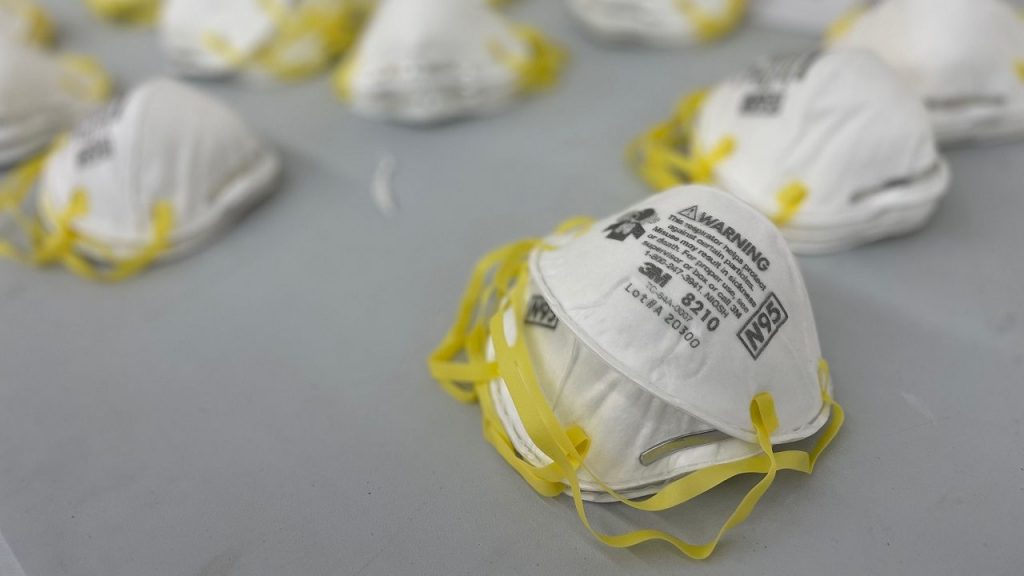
(964, 58)
(421, 62)
(130, 12)
(811, 142)
(660, 21)
(283, 39)
(42, 95)
(25, 21)
(656, 353)
(152, 176)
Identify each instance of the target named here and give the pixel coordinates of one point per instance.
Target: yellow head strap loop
(333, 27)
(791, 199)
(13, 191)
(543, 64)
(708, 26)
(490, 283)
(1020, 70)
(567, 447)
(669, 155)
(845, 23)
(342, 79)
(543, 427)
(63, 243)
(40, 28)
(131, 12)
(86, 78)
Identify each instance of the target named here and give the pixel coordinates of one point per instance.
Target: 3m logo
(758, 332)
(539, 313)
(656, 274)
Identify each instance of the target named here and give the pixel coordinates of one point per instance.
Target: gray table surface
(263, 408)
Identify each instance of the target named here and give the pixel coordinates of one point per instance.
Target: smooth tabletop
(263, 407)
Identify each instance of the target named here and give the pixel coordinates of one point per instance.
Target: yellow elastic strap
(334, 27)
(791, 198)
(342, 79)
(668, 154)
(1020, 70)
(14, 190)
(543, 64)
(468, 336)
(132, 12)
(547, 481)
(40, 27)
(489, 284)
(547, 433)
(86, 78)
(61, 244)
(515, 367)
(709, 26)
(845, 23)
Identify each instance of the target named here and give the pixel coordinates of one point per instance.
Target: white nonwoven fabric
(824, 120)
(162, 142)
(422, 62)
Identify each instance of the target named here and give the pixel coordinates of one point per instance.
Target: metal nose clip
(669, 447)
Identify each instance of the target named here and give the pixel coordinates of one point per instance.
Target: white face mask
(806, 15)
(422, 62)
(130, 12)
(25, 21)
(656, 353)
(965, 58)
(285, 39)
(660, 21)
(809, 141)
(42, 95)
(153, 175)
(638, 441)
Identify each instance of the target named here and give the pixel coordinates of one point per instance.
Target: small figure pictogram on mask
(632, 224)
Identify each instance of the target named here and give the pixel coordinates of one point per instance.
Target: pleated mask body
(25, 21)
(42, 95)
(278, 39)
(655, 353)
(809, 141)
(638, 441)
(162, 145)
(152, 176)
(671, 22)
(424, 62)
(964, 58)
